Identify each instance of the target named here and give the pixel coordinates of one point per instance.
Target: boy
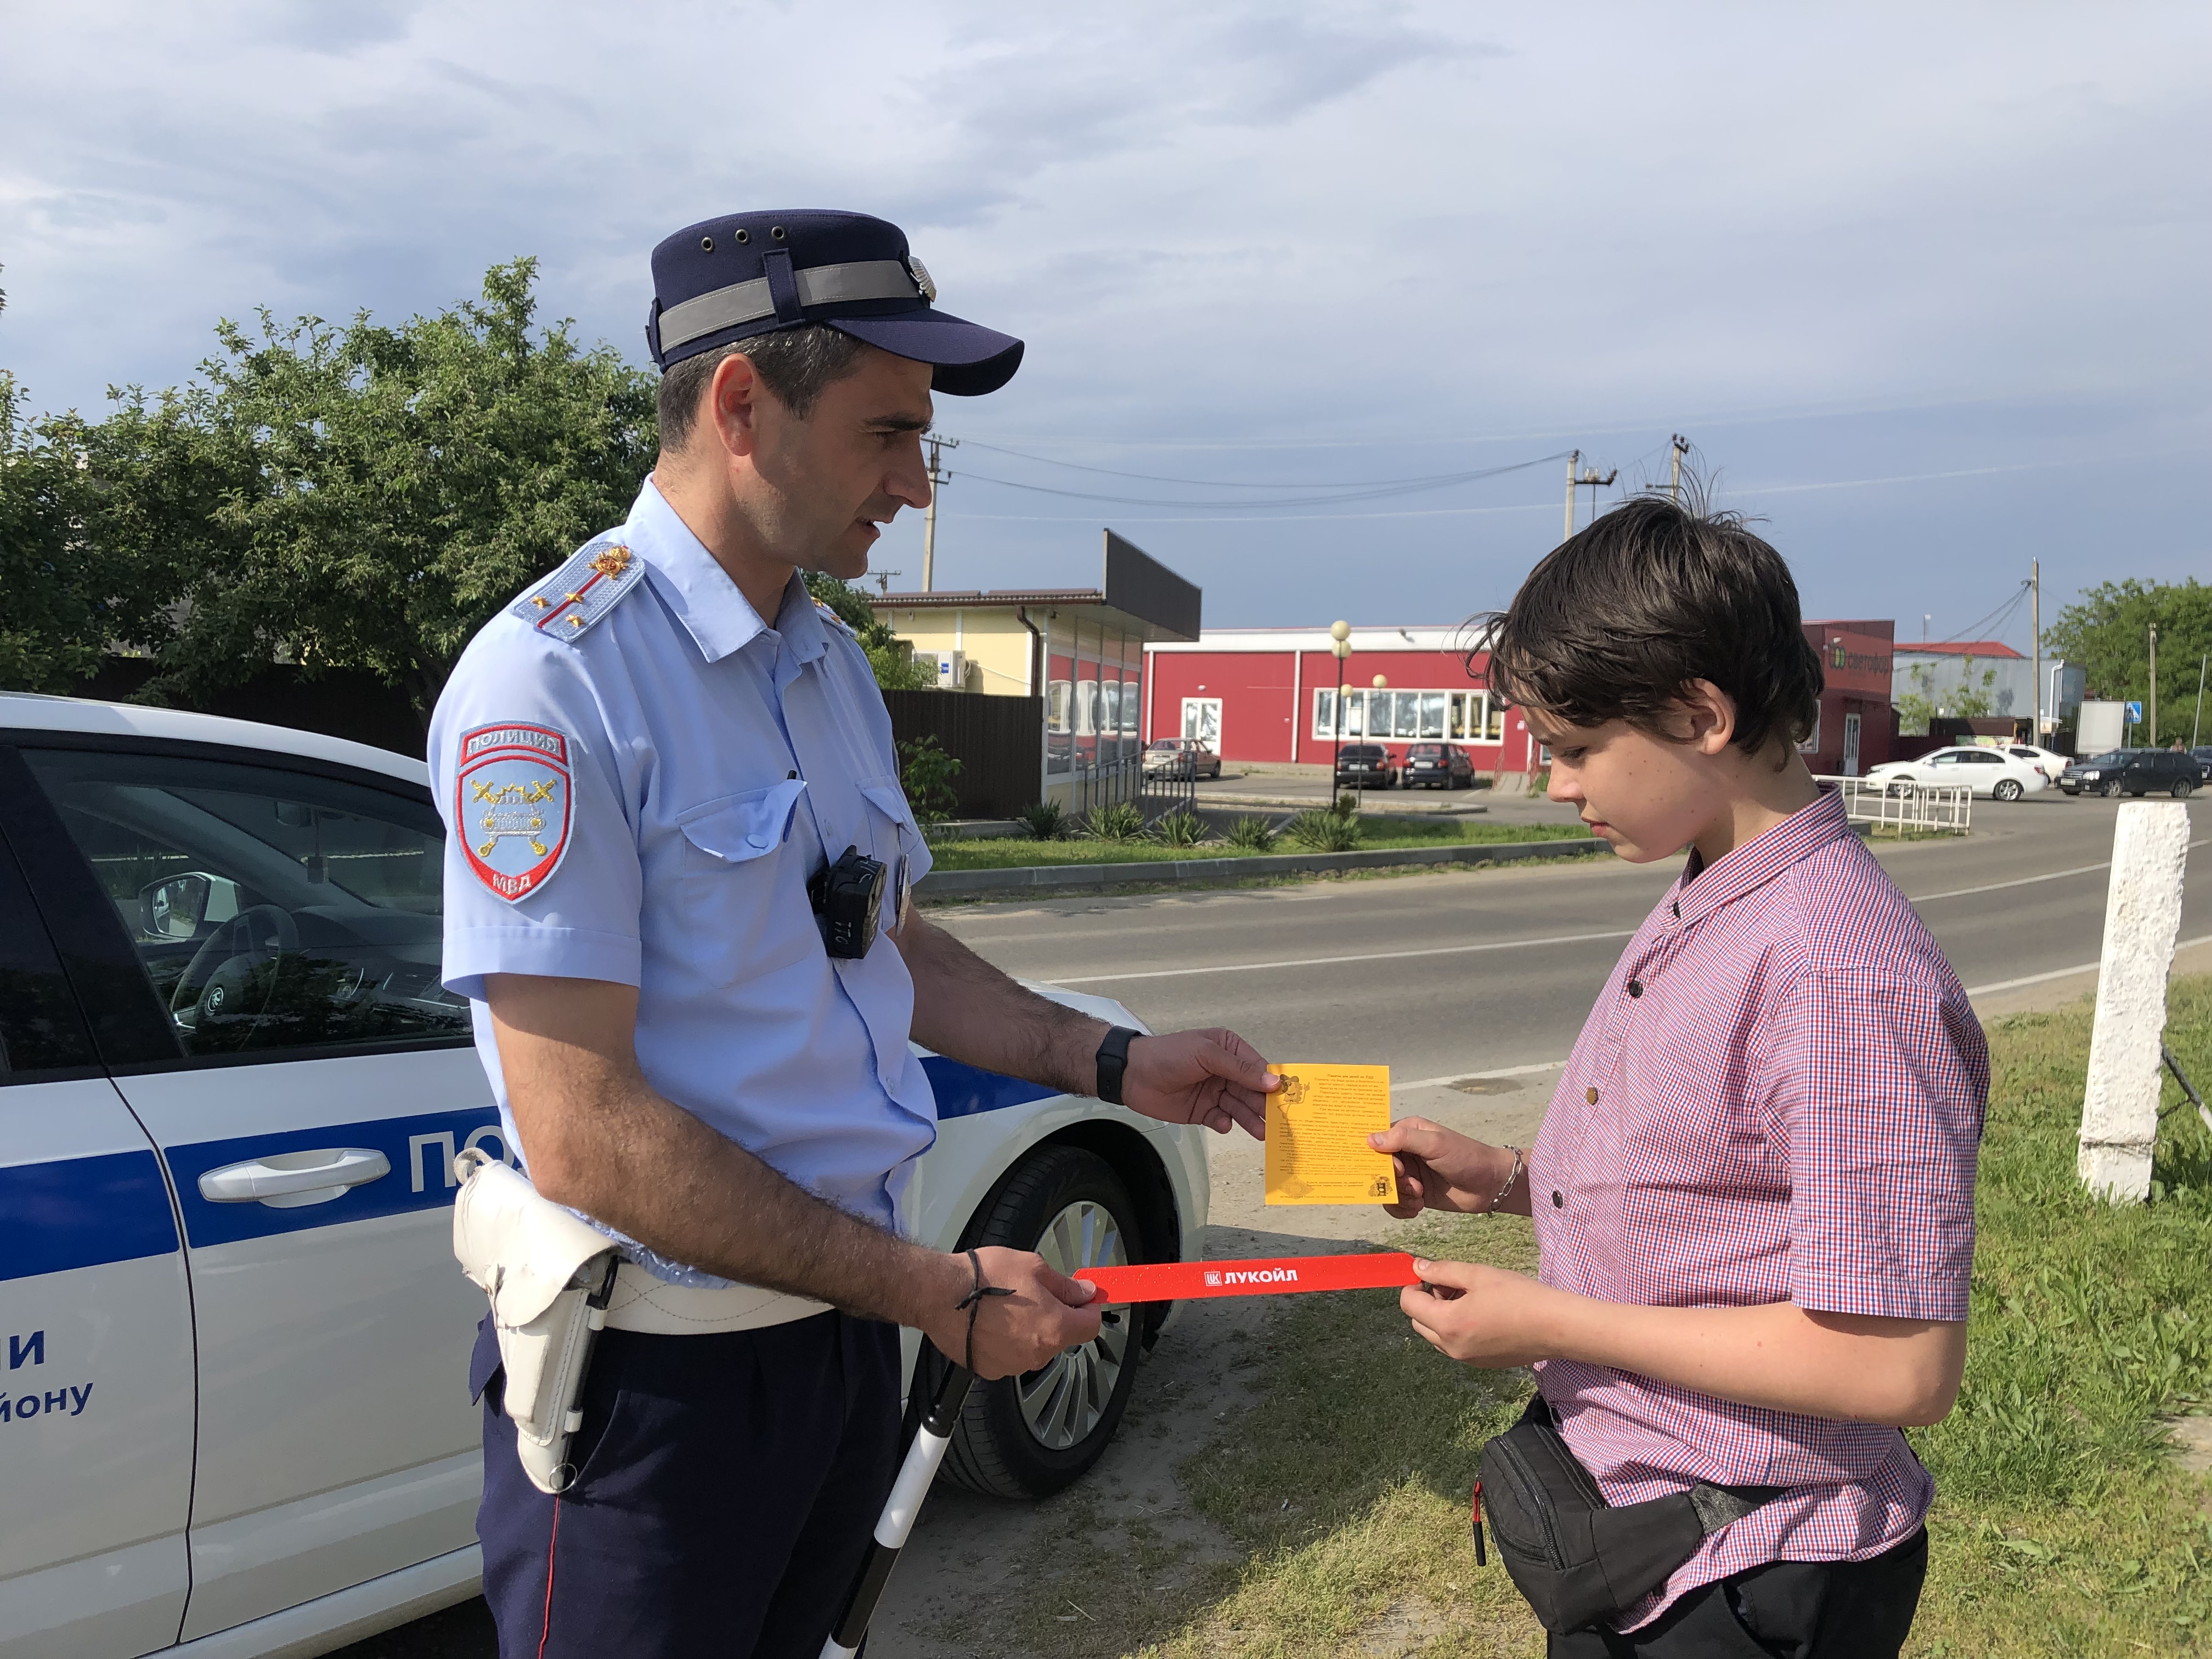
(1754, 1189)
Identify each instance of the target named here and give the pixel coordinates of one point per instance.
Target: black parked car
(1438, 766)
(2134, 772)
(2203, 762)
(1365, 765)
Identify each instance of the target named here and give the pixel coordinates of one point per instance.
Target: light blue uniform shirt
(652, 773)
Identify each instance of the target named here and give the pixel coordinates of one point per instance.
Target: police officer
(677, 865)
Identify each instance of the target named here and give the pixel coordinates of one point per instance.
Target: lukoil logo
(1264, 1276)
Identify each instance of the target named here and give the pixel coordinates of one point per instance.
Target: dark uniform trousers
(1784, 1610)
(726, 1488)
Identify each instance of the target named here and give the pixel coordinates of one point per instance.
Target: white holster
(549, 1276)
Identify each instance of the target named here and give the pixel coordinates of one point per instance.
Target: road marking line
(2068, 973)
(1333, 962)
(1478, 1077)
(2030, 881)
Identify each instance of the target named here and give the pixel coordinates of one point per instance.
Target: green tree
(1967, 698)
(403, 483)
(890, 658)
(98, 523)
(2107, 631)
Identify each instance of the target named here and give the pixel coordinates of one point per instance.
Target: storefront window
(1462, 716)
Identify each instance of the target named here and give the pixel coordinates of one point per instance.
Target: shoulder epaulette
(591, 584)
(834, 620)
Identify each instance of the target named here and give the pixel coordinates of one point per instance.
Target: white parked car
(234, 1415)
(2049, 761)
(1997, 772)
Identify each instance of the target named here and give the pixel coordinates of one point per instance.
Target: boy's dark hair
(794, 363)
(1616, 621)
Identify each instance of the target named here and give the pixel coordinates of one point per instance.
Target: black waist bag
(1576, 1560)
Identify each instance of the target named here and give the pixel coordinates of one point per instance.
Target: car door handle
(286, 1180)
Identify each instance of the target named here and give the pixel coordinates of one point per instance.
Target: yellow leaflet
(1317, 1128)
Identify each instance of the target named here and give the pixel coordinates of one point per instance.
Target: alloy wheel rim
(1063, 1402)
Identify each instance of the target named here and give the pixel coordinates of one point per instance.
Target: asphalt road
(1448, 975)
(1442, 976)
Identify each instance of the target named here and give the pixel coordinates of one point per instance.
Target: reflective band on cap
(819, 285)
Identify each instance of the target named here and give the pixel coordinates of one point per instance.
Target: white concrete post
(2143, 915)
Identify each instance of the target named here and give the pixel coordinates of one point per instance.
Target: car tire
(1030, 1436)
(2183, 789)
(2113, 789)
(1897, 786)
(2006, 789)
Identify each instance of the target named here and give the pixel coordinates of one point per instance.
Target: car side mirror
(180, 906)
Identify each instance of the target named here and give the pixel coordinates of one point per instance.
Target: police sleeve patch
(513, 808)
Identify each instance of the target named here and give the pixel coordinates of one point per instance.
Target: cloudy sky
(1925, 286)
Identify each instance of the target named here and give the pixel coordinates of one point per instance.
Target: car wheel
(2006, 789)
(2114, 789)
(1029, 1436)
(1897, 786)
(2182, 789)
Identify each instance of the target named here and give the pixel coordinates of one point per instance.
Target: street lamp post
(1339, 645)
(1380, 682)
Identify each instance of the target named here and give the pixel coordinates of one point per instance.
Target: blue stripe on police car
(82, 1213)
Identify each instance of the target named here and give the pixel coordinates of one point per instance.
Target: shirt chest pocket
(893, 839)
(740, 876)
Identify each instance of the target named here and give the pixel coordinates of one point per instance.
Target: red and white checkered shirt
(1779, 1097)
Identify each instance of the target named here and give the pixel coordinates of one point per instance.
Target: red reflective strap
(1480, 1558)
(1184, 1281)
(545, 1634)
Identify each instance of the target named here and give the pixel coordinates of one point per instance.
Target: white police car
(233, 1411)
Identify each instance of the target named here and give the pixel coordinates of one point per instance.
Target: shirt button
(1557, 1203)
(1592, 1097)
(1636, 988)
(1677, 907)
(757, 840)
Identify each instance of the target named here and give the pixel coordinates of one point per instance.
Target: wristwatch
(1112, 1061)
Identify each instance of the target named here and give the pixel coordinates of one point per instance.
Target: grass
(2060, 1526)
(1008, 852)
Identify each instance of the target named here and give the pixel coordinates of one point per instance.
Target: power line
(1425, 480)
(1363, 494)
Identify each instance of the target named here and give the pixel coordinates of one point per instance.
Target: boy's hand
(1439, 1169)
(1479, 1316)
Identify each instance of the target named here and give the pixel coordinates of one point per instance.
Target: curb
(1201, 872)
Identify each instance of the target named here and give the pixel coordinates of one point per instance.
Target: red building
(1270, 696)
(1855, 725)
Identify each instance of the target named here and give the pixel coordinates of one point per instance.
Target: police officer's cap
(730, 279)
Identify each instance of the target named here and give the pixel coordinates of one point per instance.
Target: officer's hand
(1045, 1315)
(1214, 1077)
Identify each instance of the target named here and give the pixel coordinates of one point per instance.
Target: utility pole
(2035, 647)
(1574, 460)
(883, 579)
(2196, 728)
(1590, 477)
(938, 479)
(2153, 710)
(1675, 478)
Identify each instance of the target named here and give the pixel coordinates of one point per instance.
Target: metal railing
(1112, 783)
(1899, 805)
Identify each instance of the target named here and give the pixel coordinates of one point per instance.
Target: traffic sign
(2135, 714)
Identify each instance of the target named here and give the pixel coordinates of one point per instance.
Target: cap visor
(970, 359)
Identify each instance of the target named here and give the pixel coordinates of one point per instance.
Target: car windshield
(1361, 751)
(2110, 757)
(1166, 746)
(1426, 752)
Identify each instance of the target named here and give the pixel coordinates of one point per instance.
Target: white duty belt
(554, 1283)
(642, 1302)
